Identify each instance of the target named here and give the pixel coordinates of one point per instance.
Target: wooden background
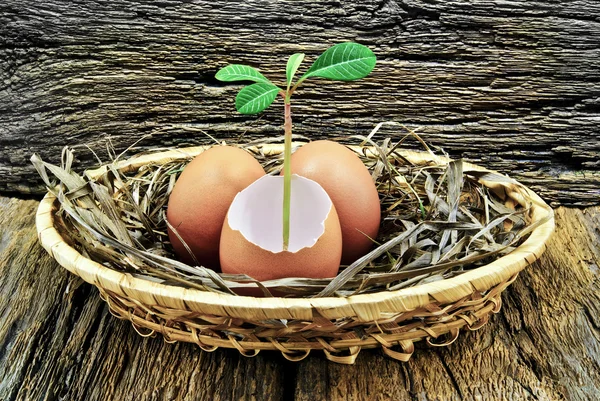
(514, 86)
(59, 342)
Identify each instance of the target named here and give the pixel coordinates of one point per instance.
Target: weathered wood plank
(58, 341)
(511, 85)
(543, 345)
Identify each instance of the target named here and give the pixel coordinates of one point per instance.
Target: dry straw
(453, 236)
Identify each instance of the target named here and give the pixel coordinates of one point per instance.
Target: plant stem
(287, 173)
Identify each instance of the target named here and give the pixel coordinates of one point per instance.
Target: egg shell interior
(259, 217)
(252, 237)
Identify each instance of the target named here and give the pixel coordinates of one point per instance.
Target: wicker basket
(340, 327)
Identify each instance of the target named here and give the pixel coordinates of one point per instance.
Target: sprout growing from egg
(343, 62)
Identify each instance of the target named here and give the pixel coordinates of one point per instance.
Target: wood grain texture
(514, 85)
(543, 345)
(58, 341)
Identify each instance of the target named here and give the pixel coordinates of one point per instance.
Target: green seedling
(342, 62)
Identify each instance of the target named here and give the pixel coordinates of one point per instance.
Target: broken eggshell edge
(252, 235)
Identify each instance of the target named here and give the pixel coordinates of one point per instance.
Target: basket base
(437, 325)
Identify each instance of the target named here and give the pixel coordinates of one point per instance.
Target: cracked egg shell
(252, 237)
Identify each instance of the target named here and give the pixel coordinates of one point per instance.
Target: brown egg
(252, 237)
(351, 188)
(201, 197)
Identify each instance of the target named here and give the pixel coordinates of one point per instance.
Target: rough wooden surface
(511, 85)
(58, 341)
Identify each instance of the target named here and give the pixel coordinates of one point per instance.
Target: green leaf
(292, 66)
(343, 62)
(239, 72)
(256, 97)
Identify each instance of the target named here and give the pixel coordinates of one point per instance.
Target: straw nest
(453, 236)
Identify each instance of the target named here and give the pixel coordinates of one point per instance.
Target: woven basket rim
(363, 307)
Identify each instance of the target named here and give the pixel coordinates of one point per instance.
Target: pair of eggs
(228, 213)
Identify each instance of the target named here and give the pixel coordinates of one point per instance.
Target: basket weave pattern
(438, 325)
(340, 327)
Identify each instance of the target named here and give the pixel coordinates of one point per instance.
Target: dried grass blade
(445, 211)
(110, 209)
(142, 217)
